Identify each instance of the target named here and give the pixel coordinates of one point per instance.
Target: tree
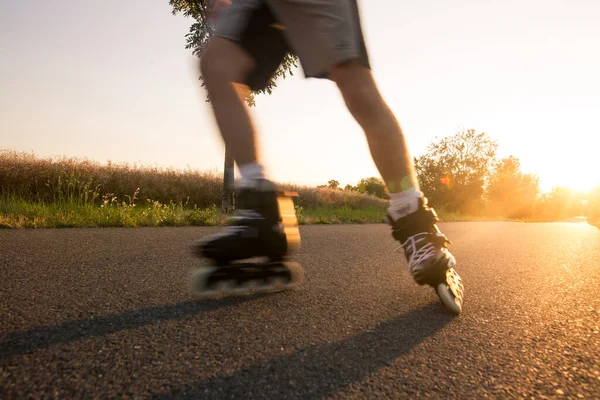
(333, 184)
(197, 39)
(373, 186)
(454, 171)
(434, 181)
(510, 192)
(560, 203)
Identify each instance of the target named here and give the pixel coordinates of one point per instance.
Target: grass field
(22, 214)
(63, 192)
(68, 192)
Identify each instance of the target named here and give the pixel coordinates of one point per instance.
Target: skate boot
(429, 260)
(265, 227)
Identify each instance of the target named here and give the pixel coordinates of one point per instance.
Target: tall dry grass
(314, 197)
(49, 180)
(32, 178)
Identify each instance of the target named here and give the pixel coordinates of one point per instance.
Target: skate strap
(423, 220)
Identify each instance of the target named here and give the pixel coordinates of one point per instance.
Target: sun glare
(583, 182)
(580, 185)
(576, 168)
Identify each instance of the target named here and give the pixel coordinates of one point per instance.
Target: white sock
(404, 203)
(251, 172)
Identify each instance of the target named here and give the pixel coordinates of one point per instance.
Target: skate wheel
(251, 284)
(268, 284)
(277, 282)
(451, 292)
(225, 286)
(239, 290)
(199, 283)
(448, 299)
(296, 274)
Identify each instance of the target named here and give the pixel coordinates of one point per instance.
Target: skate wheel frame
(245, 278)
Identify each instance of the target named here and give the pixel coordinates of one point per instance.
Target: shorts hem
(323, 73)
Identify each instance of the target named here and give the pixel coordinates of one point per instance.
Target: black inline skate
(429, 260)
(264, 228)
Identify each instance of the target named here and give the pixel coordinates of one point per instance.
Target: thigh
(226, 58)
(253, 26)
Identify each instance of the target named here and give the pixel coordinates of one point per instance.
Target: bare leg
(259, 230)
(224, 63)
(382, 130)
(391, 156)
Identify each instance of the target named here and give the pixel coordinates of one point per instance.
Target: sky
(112, 80)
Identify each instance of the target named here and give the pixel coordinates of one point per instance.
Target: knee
(224, 62)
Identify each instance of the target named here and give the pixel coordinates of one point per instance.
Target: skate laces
(417, 251)
(421, 247)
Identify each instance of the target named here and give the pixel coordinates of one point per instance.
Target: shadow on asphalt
(323, 369)
(22, 342)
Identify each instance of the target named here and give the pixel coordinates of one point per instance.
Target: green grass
(38, 192)
(70, 192)
(340, 215)
(63, 192)
(18, 213)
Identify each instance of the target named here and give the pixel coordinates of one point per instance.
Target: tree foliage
(454, 171)
(333, 184)
(202, 29)
(373, 186)
(510, 192)
(461, 174)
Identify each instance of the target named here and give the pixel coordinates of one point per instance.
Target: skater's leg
(224, 63)
(327, 37)
(383, 132)
(258, 229)
(413, 223)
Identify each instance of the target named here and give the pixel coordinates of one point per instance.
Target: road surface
(100, 313)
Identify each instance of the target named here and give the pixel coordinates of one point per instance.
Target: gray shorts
(322, 33)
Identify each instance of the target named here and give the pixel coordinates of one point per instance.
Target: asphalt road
(101, 313)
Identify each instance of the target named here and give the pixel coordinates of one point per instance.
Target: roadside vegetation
(71, 192)
(460, 174)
